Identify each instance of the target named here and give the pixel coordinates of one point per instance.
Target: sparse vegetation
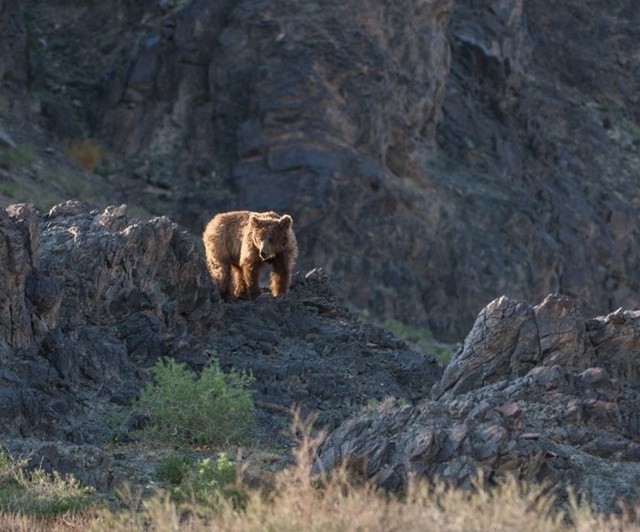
(74, 183)
(20, 156)
(206, 494)
(204, 481)
(299, 500)
(8, 188)
(36, 493)
(185, 408)
(388, 403)
(420, 339)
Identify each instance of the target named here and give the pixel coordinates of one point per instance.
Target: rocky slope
(435, 155)
(90, 300)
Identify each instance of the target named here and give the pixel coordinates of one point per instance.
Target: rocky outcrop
(310, 351)
(536, 392)
(89, 299)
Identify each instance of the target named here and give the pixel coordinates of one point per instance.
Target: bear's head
(271, 235)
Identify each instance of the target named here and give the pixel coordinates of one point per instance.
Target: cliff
(435, 155)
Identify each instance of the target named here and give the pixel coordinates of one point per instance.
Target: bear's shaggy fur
(239, 243)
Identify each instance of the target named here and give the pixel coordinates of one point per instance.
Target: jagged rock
(6, 141)
(85, 297)
(17, 259)
(535, 392)
(510, 337)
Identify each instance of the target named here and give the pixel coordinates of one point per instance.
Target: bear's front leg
(280, 278)
(239, 286)
(251, 276)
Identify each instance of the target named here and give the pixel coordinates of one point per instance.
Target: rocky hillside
(89, 300)
(435, 154)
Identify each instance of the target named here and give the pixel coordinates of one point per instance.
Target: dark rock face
(298, 107)
(537, 102)
(434, 154)
(13, 40)
(536, 392)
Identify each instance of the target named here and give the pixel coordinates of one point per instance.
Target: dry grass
(85, 153)
(61, 523)
(299, 502)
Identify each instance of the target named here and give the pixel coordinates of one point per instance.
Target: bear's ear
(253, 221)
(285, 221)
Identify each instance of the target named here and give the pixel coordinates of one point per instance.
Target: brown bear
(239, 243)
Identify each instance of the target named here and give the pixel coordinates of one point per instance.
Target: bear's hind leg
(222, 276)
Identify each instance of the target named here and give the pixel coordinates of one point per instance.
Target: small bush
(205, 481)
(174, 469)
(214, 407)
(38, 493)
(85, 153)
(20, 156)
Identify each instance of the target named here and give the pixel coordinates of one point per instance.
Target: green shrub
(203, 481)
(173, 469)
(214, 407)
(38, 493)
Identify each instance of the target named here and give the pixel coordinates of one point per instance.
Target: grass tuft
(20, 156)
(420, 339)
(37, 493)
